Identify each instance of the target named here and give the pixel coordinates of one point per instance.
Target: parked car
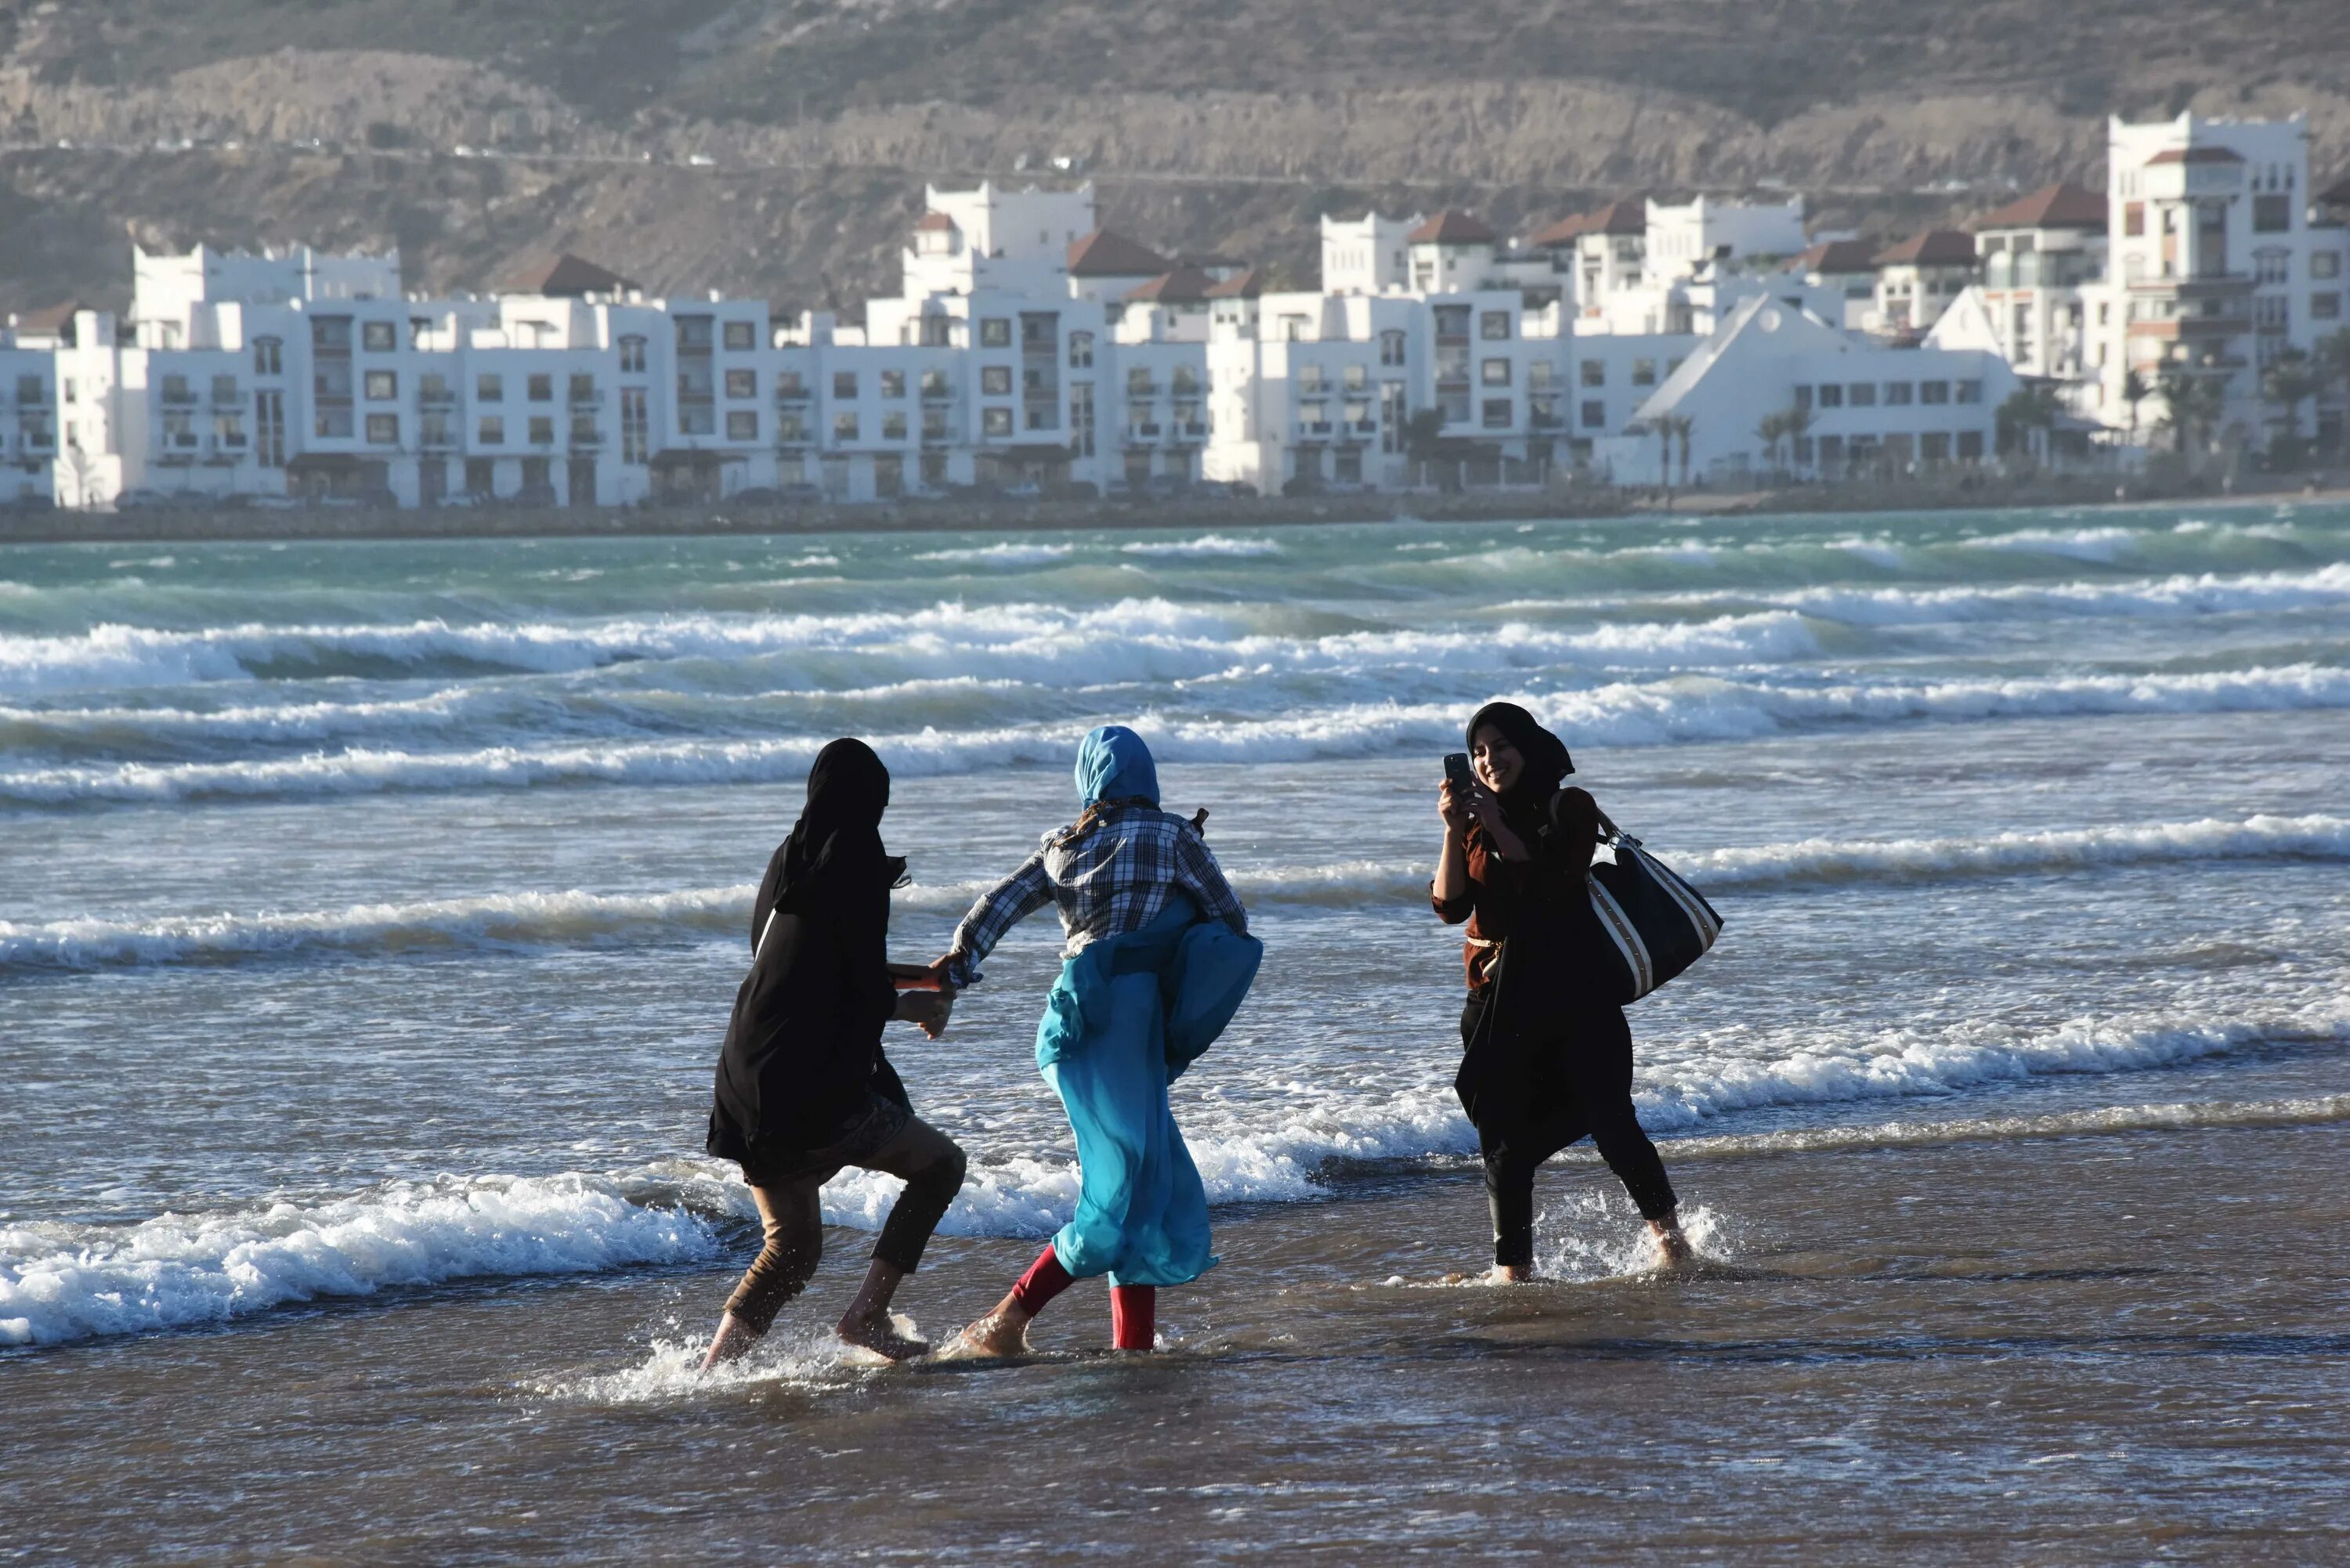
(757, 495)
(142, 500)
(1302, 486)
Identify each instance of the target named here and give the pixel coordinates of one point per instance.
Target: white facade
(1365, 256)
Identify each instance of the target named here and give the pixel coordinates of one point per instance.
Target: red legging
(1133, 1309)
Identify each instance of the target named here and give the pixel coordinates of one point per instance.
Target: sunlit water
(369, 913)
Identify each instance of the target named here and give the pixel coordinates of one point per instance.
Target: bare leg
(733, 1342)
(1002, 1332)
(1671, 1244)
(1509, 1274)
(865, 1323)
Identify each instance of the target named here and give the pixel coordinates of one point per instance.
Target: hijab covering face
(1113, 764)
(839, 829)
(1543, 756)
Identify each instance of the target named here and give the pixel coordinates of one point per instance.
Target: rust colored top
(1499, 889)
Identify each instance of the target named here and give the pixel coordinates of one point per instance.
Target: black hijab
(838, 833)
(1543, 763)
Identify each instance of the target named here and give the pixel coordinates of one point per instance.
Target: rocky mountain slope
(779, 146)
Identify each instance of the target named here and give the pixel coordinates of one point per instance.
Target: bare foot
(733, 1342)
(880, 1336)
(1509, 1274)
(1672, 1246)
(1003, 1332)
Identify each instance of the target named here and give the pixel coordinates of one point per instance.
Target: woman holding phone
(1547, 1056)
(803, 1089)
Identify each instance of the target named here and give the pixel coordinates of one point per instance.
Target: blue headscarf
(1113, 764)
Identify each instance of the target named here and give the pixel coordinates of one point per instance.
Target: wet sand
(2054, 1335)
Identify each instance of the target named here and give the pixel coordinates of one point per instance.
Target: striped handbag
(1656, 924)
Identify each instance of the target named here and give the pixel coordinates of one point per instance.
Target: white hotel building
(1028, 347)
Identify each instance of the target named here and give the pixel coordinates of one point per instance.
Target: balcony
(1142, 433)
(587, 396)
(226, 450)
(39, 398)
(436, 397)
(1366, 427)
(178, 397)
(1191, 429)
(442, 439)
(936, 392)
(1313, 430)
(1144, 388)
(791, 393)
(228, 397)
(586, 438)
(2193, 286)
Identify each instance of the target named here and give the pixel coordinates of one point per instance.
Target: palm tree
(2332, 360)
(2289, 382)
(2136, 389)
(1671, 425)
(2191, 407)
(1798, 420)
(1771, 430)
(2032, 409)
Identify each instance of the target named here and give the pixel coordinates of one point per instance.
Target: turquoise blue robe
(1128, 1014)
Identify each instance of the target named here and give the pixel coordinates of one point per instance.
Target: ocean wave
(1005, 554)
(60, 1283)
(1684, 708)
(2185, 1115)
(2204, 594)
(1206, 546)
(574, 918)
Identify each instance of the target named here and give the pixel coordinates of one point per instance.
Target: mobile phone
(1457, 774)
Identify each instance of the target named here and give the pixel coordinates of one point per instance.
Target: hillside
(475, 132)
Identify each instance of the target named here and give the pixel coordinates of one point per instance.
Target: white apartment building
(1859, 405)
(28, 408)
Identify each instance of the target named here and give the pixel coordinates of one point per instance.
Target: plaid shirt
(1113, 878)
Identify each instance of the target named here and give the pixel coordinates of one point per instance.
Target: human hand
(927, 1010)
(1459, 809)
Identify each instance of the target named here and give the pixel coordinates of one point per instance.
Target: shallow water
(371, 911)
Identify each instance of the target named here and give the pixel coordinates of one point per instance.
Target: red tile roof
(935, 223)
(1563, 233)
(1830, 256)
(1935, 247)
(52, 318)
(1249, 284)
(1628, 217)
(2194, 155)
(1451, 228)
(1184, 286)
(1105, 253)
(566, 274)
(2063, 205)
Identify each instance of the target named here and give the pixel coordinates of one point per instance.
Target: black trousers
(1573, 1084)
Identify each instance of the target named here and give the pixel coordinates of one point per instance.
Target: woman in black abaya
(1548, 1057)
(802, 1089)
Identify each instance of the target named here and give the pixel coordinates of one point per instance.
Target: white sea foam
(2104, 544)
(2173, 598)
(1207, 546)
(1005, 555)
(1684, 708)
(61, 1283)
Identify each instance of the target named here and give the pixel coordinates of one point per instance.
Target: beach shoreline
(311, 525)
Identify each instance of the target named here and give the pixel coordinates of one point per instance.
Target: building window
(542, 388)
(739, 337)
(934, 384)
(1970, 444)
(893, 425)
(492, 431)
(1862, 395)
(382, 386)
(1493, 326)
(2325, 307)
(1391, 347)
(742, 383)
(633, 356)
(995, 421)
(844, 427)
(1644, 372)
(541, 430)
(1354, 378)
(1497, 413)
(1933, 391)
(1831, 394)
(1495, 372)
(893, 383)
(2272, 214)
(2134, 219)
(844, 384)
(268, 357)
(995, 380)
(2325, 264)
(1934, 446)
(1293, 330)
(1081, 350)
(1803, 451)
(489, 389)
(225, 391)
(1803, 396)
(379, 336)
(741, 424)
(1831, 452)
(1595, 372)
(383, 430)
(2273, 265)
(1970, 392)
(1897, 394)
(996, 332)
(636, 427)
(1595, 414)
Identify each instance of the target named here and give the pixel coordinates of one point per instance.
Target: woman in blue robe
(1158, 960)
